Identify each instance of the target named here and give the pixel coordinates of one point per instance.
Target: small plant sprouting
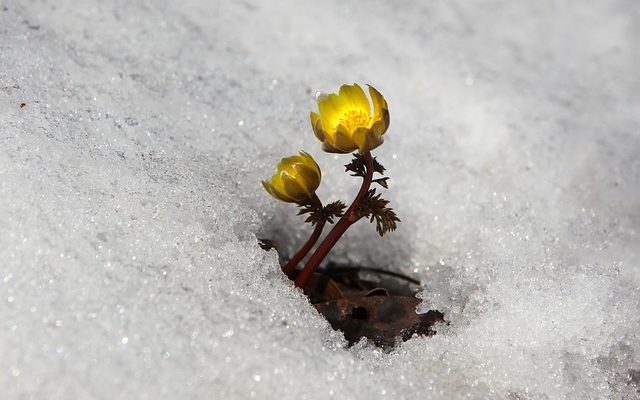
(346, 123)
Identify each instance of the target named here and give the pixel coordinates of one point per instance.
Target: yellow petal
(296, 179)
(378, 127)
(343, 140)
(354, 95)
(279, 188)
(286, 167)
(307, 173)
(316, 124)
(286, 163)
(308, 178)
(331, 109)
(329, 148)
(293, 188)
(360, 136)
(380, 108)
(302, 169)
(372, 140)
(276, 183)
(267, 187)
(311, 163)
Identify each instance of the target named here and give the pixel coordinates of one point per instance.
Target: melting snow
(130, 200)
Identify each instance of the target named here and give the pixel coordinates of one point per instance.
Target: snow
(130, 200)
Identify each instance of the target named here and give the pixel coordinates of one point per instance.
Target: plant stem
(291, 265)
(350, 217)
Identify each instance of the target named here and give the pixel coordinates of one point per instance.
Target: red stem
(291, 265)
(348, 219)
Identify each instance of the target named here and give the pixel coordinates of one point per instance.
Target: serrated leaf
(324, 214)
(334, 210)
(358, 166)
(375, 208)
(382, 182)
(377, 167)
(315, 213)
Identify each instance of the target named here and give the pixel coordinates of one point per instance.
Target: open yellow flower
(296, 179)
(346, 122)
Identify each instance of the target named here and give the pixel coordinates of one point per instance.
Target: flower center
(354, 119)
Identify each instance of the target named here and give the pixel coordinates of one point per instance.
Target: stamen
(353, 119)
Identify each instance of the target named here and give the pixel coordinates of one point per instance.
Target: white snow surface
(130, 201)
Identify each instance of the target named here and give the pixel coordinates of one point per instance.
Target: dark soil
(373, 303)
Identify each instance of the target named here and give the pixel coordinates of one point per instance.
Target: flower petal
(329, 148)
(331, 109)
(344, 140)
(278, 189)
(308, 176)
(372, 140)
(297, 178)
(268, 188)
(354, 95)
(316, 124)
(359, 136)
(286, 164)
(292, 188)
(378, 127)
(297, 168)
(380, 108)
(311, 163)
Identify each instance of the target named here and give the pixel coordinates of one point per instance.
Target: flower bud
(296, 179)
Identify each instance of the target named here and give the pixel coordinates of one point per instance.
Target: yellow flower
(346, 122)
(296, 180)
